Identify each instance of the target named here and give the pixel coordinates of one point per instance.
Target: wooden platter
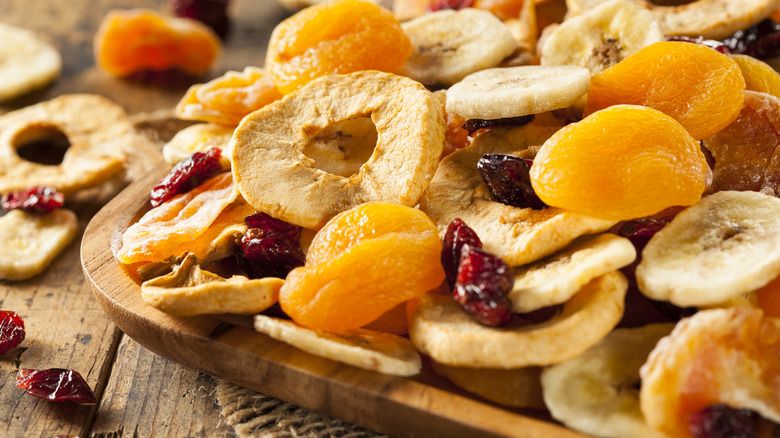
(426, 405)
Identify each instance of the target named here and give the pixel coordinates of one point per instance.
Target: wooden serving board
(426, 405)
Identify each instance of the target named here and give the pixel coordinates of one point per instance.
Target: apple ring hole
(41, 144)
(343, 147)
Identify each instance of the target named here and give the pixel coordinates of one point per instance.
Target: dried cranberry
(483, 283)
(713, 44)
(473, 125)
(509, 181)
(640, 231)
(186, 175)
(439, 5)
(11, 331)
(761, 40)
(56, 384)
(721, 421)
(457, 235)
(270, 248)
(212, 13)
(36, 199)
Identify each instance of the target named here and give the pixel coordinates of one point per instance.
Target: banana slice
(372, 350)
(601, 37)
(720, 356)
(517, 91)
(199, 138)
(440, 329)
(449, 45)
(596, 392)
(711, 19)
(27, 62)
(517, 235)
(557, 278)
(726, 245)
(31, 241)
(518, 387)
(188, 290)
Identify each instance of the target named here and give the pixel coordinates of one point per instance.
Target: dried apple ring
(96, 130)
(276, 177)
(440, 329)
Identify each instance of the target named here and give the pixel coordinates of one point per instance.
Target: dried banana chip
(189, 290)
(274, 175)
(199, 138)
(32, 241)
(97, 130)
(372, 350)
(597, 392)
(27, 62)
(162, 230)
(441, 330)
(713, 19)
(517, 235)
(518, 387)
(555, 279)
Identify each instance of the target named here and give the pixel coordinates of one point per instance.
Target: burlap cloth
(256, 415)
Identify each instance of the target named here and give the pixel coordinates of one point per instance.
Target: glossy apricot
(228, 98)
(769, 298)
(336, 37)
(363, 263)
(759, 76)
(133, 40)
(697, 86)
(620, 163)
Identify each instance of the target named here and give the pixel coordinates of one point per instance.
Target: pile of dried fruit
(518, 224)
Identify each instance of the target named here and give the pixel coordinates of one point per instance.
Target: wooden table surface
(140, 393)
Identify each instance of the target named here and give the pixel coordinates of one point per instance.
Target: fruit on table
(364, 262)
(57, 385)
(11, 331)
(38, 199)
(336, 37)
(133, 40)
(620, 163)
(697, 86)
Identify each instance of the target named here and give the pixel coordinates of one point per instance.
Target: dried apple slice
(28, 62)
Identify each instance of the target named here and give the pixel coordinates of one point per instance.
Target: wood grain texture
(398, 406)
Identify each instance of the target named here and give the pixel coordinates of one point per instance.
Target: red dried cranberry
(56, 384)
(439, 5)
(212, 13)
(473, 125)
(713, 44)
(721, 421)
(11, 331)
(457, 235)
(273, 227)
(187, 174)
(483, 283)
(509, 180)
(36, 199)
(761, 40)
(270, 248)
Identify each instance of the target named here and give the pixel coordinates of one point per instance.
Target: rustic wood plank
(151, 396)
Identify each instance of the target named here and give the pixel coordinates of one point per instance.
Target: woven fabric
(256, 415)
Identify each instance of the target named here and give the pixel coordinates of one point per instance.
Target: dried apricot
(759, 76)
(133, 40)
(769, 298)
(364, 262)
(620, 163)
(697, 86)
(335, 37)
(228, 98)
(746, 151)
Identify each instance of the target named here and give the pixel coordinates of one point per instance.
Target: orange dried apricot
(503, 9)
(228, 98)
(335, 37)
(759, 76)
(769, 298)
(133, 40)
(746, 151)
(393, 321)
(364, 262)
(699, 87)
(620, 163)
